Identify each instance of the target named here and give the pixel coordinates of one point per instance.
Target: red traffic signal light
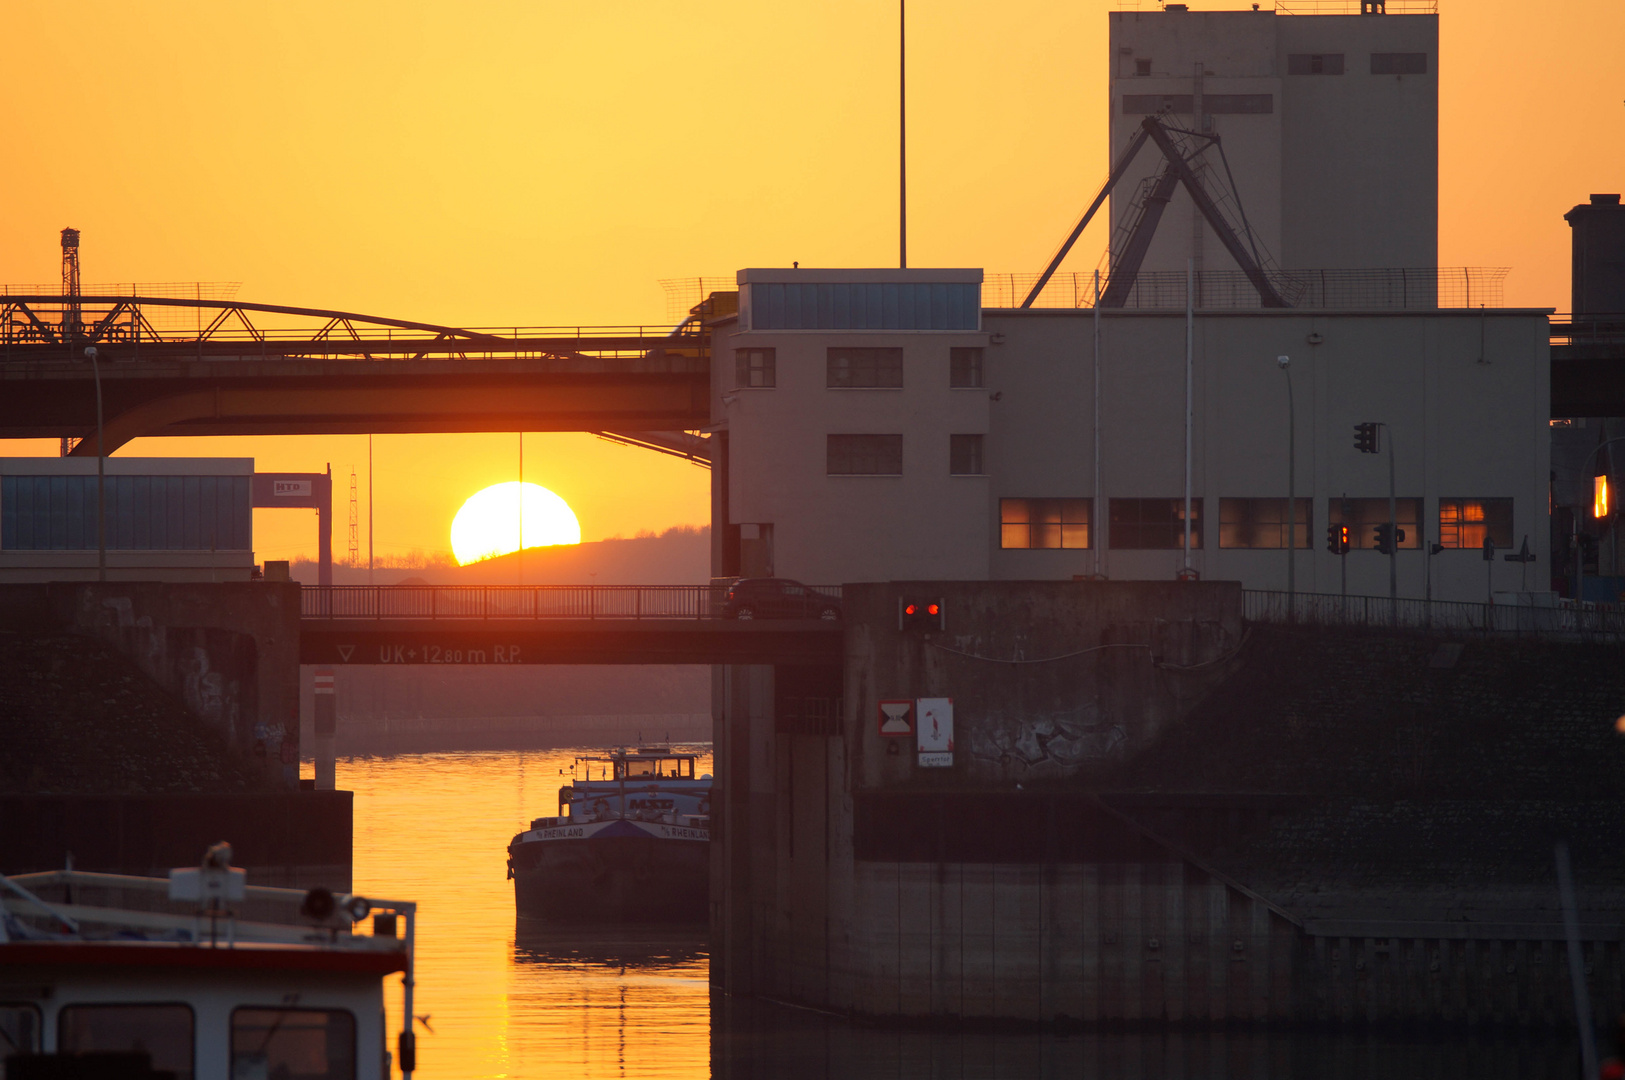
(920, 614)
(1337, 539)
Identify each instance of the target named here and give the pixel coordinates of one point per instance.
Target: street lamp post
(1291, 493)
(101, 460)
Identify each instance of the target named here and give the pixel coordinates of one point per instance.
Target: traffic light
(1365, 438)
(921, 614)
(1389, 538)
(1337, 539)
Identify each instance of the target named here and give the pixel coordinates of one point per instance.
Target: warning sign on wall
(897, 719)
(935, 720)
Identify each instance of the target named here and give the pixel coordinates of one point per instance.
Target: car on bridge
(778, 598)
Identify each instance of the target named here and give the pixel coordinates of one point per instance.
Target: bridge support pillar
(326, 717)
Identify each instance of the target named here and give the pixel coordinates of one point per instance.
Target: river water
(503, 997)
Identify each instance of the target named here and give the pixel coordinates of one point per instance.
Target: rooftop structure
(1328, 126)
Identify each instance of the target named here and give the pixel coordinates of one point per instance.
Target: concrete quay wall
(1255, 842)
(229, 651)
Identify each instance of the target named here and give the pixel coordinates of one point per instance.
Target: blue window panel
(174, 515)
(11, 523)
(866, 306)
(208, 533)
(192, 502)
(67, 513)
(242, 513)
(140, 517)
(786, 306)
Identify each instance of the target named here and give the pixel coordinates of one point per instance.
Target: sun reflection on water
(507, 997)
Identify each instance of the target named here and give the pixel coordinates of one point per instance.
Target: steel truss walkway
(549, 624)
(260, 369)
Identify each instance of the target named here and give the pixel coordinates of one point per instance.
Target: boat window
(307, 1044)
(161, 1033)
(19, 1032)
(641, 768)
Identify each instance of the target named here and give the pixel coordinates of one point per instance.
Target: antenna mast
(355, 521)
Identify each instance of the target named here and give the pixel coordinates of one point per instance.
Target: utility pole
(1097, 513)
(369, 509)
(101, 472)
(1190, 339)
(902, 134)
(1285, 363)
(1393, 533)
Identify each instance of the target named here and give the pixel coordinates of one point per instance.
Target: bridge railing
(1561, 622)
(518, 601)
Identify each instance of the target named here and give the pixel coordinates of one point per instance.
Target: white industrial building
(912, 424)
(858, 453)
(1329, 125)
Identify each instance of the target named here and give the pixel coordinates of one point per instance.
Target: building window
(1154, 524)
(314, 1043)
(1362, 516)
(853, 305)
(965, 455)
(1212, 104)
(864, 368)
(1142, 67)
(965, 368)
(142, 513)
(1399, 63)
(1261, 523)
(1044, 523)
(755, 368)
(865, 455)
(1314, 64)
(1464, 523)
(165, 1032)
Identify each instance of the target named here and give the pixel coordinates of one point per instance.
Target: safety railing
(1380, 289)
(1564, 621)
(527, 602)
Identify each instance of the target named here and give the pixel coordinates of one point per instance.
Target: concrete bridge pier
(326, 718)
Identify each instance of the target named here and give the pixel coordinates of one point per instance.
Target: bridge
(550, 624)
(333, 372)
(318, 372)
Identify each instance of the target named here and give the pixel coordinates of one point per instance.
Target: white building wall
(1461, 426)
(1342, 172)
(923, 524)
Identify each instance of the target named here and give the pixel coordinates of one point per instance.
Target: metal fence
(1564, 622)
(1380, 289)
(518, 601)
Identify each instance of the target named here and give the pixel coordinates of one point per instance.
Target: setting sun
(489, 522)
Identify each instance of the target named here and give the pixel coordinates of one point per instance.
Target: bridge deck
(550, 624)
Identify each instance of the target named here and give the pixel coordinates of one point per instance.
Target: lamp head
(1283, 361)
(90, 352)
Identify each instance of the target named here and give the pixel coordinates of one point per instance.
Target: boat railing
(146, 904)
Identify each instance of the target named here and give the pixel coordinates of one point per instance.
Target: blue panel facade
(865, 306)
(143, 513)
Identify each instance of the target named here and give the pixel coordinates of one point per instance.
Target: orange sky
(545, 163)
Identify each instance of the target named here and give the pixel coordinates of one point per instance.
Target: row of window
(1150, 524)
(1300, 64)
(849, 368)
(313, 1044)
(140, 513)
(882, 455)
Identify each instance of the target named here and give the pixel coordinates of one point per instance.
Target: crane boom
(1176, 170)
(1117, 172)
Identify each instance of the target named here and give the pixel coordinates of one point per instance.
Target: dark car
(778, 598)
